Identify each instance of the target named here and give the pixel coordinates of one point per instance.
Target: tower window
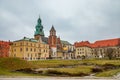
(40, 29)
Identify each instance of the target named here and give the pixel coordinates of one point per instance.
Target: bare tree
(95, 52)
(109, 53)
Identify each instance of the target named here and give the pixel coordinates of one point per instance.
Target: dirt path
(56, 78)
(117, 77)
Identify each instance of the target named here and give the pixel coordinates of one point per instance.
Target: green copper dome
(39, 28)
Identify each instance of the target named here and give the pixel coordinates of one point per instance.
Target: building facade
(98, 49)
(68, 50)
(4, 48)
(83, 50)
(29, 49)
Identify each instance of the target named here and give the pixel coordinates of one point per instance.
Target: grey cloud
(74, 20)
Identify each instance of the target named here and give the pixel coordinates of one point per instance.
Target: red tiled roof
(106, 43)
(99, 43)
(83, 43)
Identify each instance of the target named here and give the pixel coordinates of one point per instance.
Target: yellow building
(68, 50)
(29, 49)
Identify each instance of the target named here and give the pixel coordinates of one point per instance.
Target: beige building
(102, 52)
(83, 52)
(29, 49)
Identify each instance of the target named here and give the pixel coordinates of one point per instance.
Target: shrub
(109, 66)
(58, 73)
(97, 69)
(79, 74)
(26, 70)
(52, 72)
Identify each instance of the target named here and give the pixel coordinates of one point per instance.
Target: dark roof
(27, 39)
(45, 39)
(65, 42)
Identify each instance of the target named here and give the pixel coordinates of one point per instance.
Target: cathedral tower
(39, 33)
(52, 41)
(52, 38)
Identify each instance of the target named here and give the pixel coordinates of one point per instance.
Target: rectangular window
(20, 44)
(14, 55)
(39, 50)
(27, 44)
(35, 55)
(14, 49)
(26, 49)
(28, 54)
(20, 49)
(34, 50)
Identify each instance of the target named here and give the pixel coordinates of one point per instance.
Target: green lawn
(59, 63)
(102, 62)
(9, 65)
(54, 63)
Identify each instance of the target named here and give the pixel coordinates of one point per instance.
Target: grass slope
(9, 65)
(108, 73)
(14, 63)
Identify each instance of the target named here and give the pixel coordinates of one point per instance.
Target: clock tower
(39, 33)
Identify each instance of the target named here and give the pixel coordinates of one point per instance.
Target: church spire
(53, 31)
(39, 20)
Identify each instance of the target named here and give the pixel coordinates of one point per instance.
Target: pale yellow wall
(83, 51)
(30, 50)
(60, 54)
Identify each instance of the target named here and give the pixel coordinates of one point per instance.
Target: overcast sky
(74, 20)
